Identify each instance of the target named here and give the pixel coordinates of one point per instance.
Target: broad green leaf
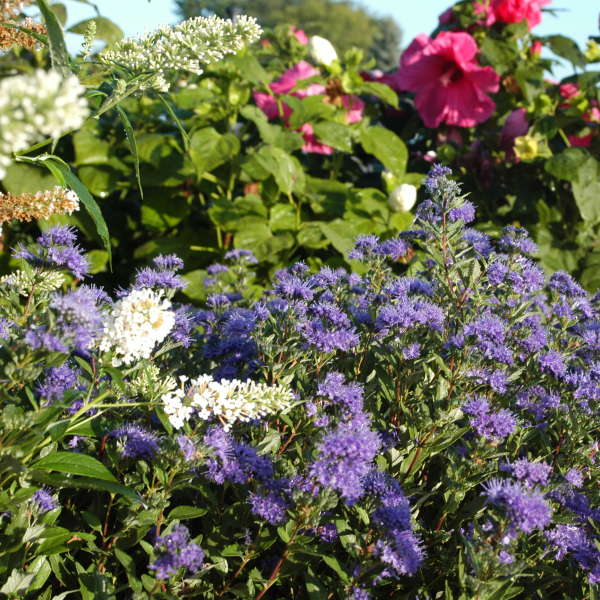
(334, 564)
(106, 30)
(27, 179)
(566, 48)
(75, 463)
(334, 134)
(272, 134)
(387, 147)
(58, 49)
(209, 149)
(586, 189)
(341, 234)
(287, 171)
(566, 164)
(90, 148)
(381, 91)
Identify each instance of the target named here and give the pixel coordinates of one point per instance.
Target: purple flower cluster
(59, 250)
(176, 552)
(526, 509)
(57, 381)
(136, 441)
(492, 424)
(44, 501)
(345, 456)
(163, 275)
(575, 541)
(234, 461)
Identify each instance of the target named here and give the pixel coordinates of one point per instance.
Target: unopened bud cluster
(37, 105)
(24, 282)
(185, 47)
(41, 205)
(227, 401)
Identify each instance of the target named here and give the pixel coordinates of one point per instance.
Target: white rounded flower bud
(321, 50)
(402, 198)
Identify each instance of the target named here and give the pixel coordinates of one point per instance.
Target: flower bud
(402, 198)
(321, 50)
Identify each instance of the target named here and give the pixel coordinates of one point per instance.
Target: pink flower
(299, 35)
(284, 85)
(485, 10)
(287, 82)
(515, 11)
(449, 84)
(584, 141)
(311, 144)
(536, 48)
(355, 106)
(593, 114)
(568, 90)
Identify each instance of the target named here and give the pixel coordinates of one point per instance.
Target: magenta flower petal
(449, 85)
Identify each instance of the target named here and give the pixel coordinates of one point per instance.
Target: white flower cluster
(226, 400)
(135, 324)
(36, 105)
(184, 47)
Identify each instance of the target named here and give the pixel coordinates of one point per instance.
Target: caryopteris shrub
(427, 433)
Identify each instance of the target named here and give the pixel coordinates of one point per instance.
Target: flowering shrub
(481, 102)
(355, 436)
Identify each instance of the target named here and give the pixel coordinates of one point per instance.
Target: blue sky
(578, 19)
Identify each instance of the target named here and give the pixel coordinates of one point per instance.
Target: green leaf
(58, 49)
(381, 91)
(17, 583)
(566, 48)
(26, 179)
(334, 134)
(387, 147)
(586, 189)
(132, 146)
(341, 234)
(74, 463)
(272, 134)
(566, 164)
(334, 564)
(186, 512)
(286, 169)
(106, 30)
(209, 149)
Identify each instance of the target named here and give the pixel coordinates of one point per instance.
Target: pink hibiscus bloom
(515, 11)
(510, 11)
(284, 85)
(311, 144)
(450, 86)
